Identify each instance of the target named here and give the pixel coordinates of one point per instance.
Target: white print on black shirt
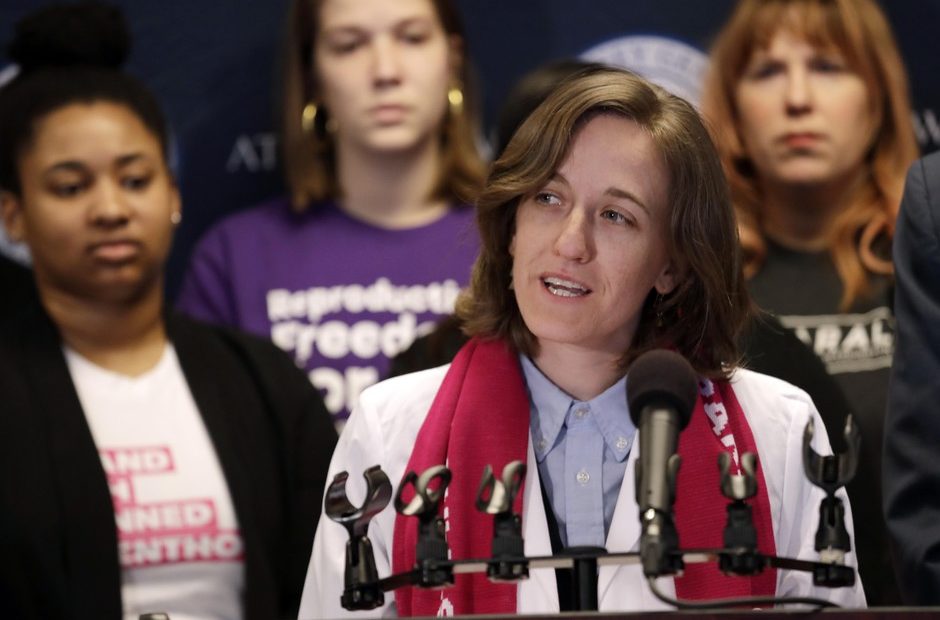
(848, 342)
(149, 534)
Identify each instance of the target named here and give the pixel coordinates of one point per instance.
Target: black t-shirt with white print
(804, 291)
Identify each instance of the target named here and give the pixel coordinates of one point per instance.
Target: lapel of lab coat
(631, 592)
(624, 535)
(538, 593)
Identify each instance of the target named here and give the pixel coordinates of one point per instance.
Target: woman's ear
(11, 209)
(667, 279)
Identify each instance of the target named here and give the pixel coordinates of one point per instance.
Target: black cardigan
(58, 538)
(16, 287)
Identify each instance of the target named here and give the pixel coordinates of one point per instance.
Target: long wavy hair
(310, 157)
(859, 31)
(702, 316)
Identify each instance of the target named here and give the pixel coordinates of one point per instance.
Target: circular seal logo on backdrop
(7, 73)
(674, 65)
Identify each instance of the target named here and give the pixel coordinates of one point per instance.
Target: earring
(455, 99)
(308, 117)
(658, 308)
(176, 217)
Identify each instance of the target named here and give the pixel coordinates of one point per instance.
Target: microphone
(661, 391)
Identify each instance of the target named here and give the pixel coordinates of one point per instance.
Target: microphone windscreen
(662, 377)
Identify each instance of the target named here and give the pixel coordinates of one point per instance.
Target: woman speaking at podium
(606, 231)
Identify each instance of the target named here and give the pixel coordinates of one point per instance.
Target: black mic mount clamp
(361, 589)
(431, 552)
(830, 473)
(496, 498)
(740, 535)
(659, 540)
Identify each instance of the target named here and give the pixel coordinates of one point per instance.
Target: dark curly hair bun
(90, 34)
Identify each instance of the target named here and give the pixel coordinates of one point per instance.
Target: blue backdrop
(213, 63)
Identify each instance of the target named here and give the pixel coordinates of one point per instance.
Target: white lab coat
(383, 428)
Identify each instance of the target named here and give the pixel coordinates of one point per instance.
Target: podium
(877, 613)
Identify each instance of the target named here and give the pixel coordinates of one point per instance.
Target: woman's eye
(547, 198)
(136, 183)
(765, 70)
(67, 190)
(345, 46)
(826, 65)
(415, 37)
(617, 217)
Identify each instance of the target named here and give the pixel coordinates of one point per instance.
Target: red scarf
(480, 417)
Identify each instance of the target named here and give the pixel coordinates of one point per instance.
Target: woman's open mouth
(564, 288)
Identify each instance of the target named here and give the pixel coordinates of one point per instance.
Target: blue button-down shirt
(581, 449)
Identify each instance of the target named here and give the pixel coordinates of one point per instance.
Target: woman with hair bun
(809, 104)
(148, 463)
(375, 238)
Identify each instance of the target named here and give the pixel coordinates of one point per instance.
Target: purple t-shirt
(340, 295)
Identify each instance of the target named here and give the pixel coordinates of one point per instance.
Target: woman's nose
(109, 206)
(574, 238)
(799, 95)
(386, 61)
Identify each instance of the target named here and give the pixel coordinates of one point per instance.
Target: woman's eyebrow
(69, 165)
(622, 193)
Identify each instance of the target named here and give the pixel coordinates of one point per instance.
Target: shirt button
(542, 444)
(580, 412)
(583, 477)
(622, 443)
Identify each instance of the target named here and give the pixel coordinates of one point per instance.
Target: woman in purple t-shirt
(373, 242)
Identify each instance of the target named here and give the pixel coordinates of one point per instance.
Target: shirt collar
(550, 405)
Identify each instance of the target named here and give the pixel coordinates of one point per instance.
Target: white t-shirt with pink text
(178, 539)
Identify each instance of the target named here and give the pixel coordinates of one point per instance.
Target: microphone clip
(361, 589)
(830, 473)
(740, 535)
(496, 497)
(432, 549)
(659, 540)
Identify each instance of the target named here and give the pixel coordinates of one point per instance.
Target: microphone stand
(740, 534)
(431, 551)
(830, 473)
(361, 589)
(739, 556)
